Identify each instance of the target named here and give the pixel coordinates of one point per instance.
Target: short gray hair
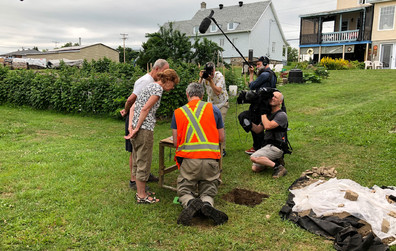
(195, 90)
(160, 63)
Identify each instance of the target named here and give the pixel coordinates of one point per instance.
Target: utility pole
(124, 37)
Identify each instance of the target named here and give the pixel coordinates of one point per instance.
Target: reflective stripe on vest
(195, 128)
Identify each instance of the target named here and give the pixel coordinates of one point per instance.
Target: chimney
(221, 6)
(79, 41)
(240, 3)
(203, 6)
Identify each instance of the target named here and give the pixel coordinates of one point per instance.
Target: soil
(244, 197)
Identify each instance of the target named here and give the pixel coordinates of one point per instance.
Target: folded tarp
(315, 208)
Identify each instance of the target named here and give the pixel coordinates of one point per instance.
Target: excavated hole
(244, 197)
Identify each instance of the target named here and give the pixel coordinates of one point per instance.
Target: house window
(213, 28)
(284, 51)
(387, 17)
(273, 46)
(234, 40)
(221, 41)
(232, 26)
(195, 30)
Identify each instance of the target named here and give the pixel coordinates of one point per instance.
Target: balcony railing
(341, 36)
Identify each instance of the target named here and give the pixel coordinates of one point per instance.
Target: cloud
(39, 23)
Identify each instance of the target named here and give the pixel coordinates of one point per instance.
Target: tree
(167, 43)
(292, 54)
(130, 54)
(70, 44)
(206, 51)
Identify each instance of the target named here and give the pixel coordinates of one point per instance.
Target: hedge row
(99, 87)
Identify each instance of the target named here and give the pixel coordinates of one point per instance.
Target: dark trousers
(258, 140)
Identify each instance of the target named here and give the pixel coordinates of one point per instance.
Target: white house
(253, 26)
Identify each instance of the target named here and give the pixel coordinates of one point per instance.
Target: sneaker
(224, 153)
(250, 151)
(279, 171)
(187, 214)
(218, 216)
(152, 178)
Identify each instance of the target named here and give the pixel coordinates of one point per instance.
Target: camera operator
(275, 139)
(266, 78)
(216, 90)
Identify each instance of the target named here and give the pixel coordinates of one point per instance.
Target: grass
(64, 178)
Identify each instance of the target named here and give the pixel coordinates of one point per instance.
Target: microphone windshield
(204, 25)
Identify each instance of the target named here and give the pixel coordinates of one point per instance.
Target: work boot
(218, 216)
(279, 171)
(187, 214)
(152, 178)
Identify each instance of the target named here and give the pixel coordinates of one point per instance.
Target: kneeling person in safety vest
(197, 130)
(275, 139)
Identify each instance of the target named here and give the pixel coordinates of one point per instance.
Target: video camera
(262, 96)
(259, 101)
(208, 71)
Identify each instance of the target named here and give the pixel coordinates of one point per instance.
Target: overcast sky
(50, 23)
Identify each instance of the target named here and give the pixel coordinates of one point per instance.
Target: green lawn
(64, 178)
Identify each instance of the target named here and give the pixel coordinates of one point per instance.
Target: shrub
(99, 87)
(334, 64)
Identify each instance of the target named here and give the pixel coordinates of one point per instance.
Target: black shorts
(128, 144)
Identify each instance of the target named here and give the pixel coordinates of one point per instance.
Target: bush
(99, 87)
(336, 64)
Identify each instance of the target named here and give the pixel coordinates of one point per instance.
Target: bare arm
(174, 135)
(257, 128)
(268, 125)
(221, 134)
(128, 104)
(143, 113)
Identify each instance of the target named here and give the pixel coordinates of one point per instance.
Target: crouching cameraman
(216, 90)
(275, 124)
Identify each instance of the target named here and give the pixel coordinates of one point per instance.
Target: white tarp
(327, 197)
(40, 62)
(55, 63)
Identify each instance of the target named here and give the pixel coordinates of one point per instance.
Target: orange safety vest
(197, 134)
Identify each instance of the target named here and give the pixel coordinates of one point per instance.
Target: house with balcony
(250, 26)
(362, 30)
(341, 33)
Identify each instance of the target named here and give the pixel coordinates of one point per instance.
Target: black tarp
(342, 231)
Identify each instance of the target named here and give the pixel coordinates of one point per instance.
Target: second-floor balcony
(338, 26)
(341, 36)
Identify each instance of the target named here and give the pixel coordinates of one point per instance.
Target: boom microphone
(206, 23)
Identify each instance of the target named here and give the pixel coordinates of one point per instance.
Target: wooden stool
(168, 142)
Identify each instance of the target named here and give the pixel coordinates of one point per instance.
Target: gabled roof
(22, 53)
(246, 15)
(76, 48)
